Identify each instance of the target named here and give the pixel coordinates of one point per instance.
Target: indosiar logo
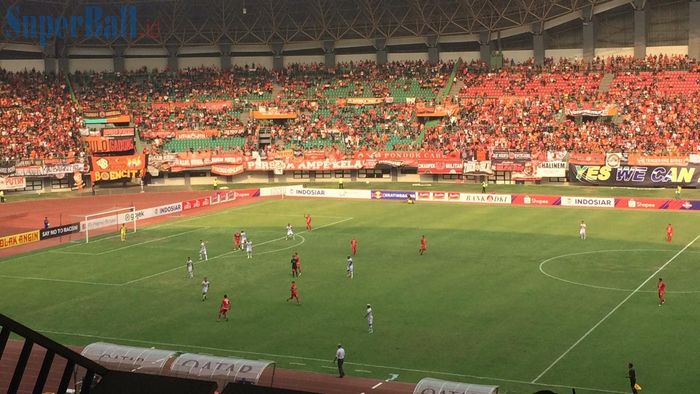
(593, 173)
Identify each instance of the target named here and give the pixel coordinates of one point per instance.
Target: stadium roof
(209, 22)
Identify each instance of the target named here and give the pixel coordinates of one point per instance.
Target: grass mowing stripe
(177, 346)
(150, 241)
(233, 251)
(635, 291)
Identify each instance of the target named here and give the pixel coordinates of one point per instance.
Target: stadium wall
(557, 54)
(605, 52)
(355, 57)
(300, 59)
(454, 56)
(408, 56)
(519, 56)
(264, 61)
(16, 65)
(668, 50)
(194, 62)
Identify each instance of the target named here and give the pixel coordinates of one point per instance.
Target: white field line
(547, 261)
(233, 251)
(74, 253)
(151, 240)
(176, 346)
(58, 280)
(635, 291)
(127, 246)
(181, 220)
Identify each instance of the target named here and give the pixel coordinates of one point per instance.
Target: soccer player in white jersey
(205, 288)
(244, 240)
(370, 318)
(203, 250)
(350, 268)
(582, 230)
(249, 249)
(290, 231)
(190, 267)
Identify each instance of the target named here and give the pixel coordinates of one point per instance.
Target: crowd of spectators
(361, 79)
(521, 107)
(37, 118)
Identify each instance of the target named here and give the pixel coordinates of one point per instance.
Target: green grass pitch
(504, 295)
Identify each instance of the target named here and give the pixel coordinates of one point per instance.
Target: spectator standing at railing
(46, 222)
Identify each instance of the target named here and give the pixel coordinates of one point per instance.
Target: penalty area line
(613, 310)
(58, 280)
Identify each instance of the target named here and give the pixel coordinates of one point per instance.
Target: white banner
(277, 190)
(551, 169)
(486, 198)
(12, 182)
(128, 217)
(598, 202)
(329, 193)
(478, 167)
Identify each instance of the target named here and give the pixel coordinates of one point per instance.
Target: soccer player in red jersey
(237, 240)
(661, 287)
(669, 233)
(295, 294)
(295, 273)
(223, 309)
(353, 246)
(423, 245)
(308, 222)
(298, 261)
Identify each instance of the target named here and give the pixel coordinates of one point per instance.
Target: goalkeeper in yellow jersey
(122, 232)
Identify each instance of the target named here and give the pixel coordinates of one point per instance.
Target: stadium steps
(277, 89)
(605, 82)
(456, 87)
(449, 90)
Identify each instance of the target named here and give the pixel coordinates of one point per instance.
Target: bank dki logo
(94, 23)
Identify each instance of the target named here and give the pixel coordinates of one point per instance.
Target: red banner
(194, 134)
(508, 167)
(218, 105)
(215, 105)
(206, 160)
(529, 199)
(196, 203)
(304, 165)
(273, 115)
(117, 167)
(118, 132)
(109, 145)
(96, 113)
(227, 170)
(441, 166)
(587, 158)
(641, 203)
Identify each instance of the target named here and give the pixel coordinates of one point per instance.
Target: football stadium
(349, 196)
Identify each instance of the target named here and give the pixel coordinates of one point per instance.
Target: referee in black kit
(632, 375)
(340, 359)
